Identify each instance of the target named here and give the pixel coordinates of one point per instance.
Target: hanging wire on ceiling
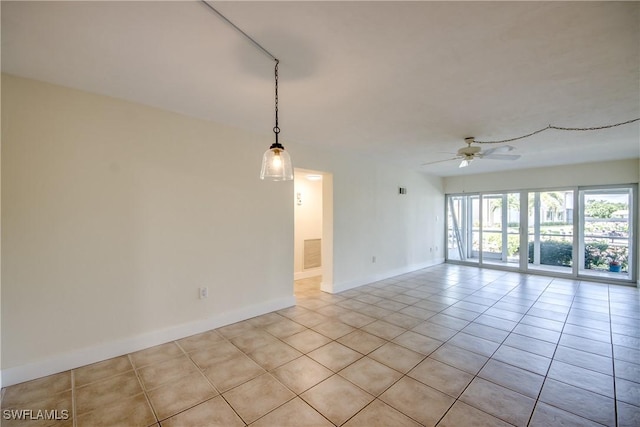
(238, 29)
(557, 128)
(276, 162)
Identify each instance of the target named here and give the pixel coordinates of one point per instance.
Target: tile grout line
(280, 339)
(476, 375)
(613, 360)
(444, 342)
(73, 399)
(575, 295)
(366, 355)
(553, 355)
(144, 389)
(201, 371)
(511, 332)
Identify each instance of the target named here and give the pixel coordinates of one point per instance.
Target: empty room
(319, 213)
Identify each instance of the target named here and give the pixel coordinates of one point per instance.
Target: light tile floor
(447, 346)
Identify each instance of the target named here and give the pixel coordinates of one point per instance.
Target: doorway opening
(313, 232)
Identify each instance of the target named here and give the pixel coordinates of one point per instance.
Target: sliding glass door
(550, 231)
(501, 229)
(484, 229)
(575, 232)
(606, 230)
(463, 219)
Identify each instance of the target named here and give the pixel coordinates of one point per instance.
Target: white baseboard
(93, 354)
(345, 286)
(307, 273)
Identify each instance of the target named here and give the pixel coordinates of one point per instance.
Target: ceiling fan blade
(502, 156)
(439, 161)
(501, 149)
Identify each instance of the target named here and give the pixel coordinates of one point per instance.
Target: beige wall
(119, 212)
(115, 213)
(603, 173)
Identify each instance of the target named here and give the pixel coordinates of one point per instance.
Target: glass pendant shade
(276, 165)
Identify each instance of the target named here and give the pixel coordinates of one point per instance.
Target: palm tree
(550, 201)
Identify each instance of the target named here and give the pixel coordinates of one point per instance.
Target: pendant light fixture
(276, 163)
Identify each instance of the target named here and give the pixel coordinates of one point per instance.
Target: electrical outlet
(204, 292)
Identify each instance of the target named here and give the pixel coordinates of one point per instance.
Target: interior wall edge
(345, 286)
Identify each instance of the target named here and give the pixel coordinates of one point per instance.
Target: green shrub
(493, 243)
(553, 252)
(597, 255)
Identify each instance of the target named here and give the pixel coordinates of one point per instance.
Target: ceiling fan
(469, 153)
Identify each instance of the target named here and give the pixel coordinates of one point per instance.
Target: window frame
(578, 227)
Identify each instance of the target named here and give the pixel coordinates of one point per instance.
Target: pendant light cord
(276, 129)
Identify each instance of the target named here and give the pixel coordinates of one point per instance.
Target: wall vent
(312, 253)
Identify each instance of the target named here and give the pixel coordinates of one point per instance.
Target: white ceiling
(403, 81)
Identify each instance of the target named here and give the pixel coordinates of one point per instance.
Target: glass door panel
(474, 227)
(456, 208)
(501, 229)
(605, 232)
(461, 211)
(550, 231)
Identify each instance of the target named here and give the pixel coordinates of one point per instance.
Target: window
(576, 232)
(606, 230)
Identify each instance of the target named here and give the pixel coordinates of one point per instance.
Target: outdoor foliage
(493, 243)
(602, 208)
(597, 255)
(553, 252)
